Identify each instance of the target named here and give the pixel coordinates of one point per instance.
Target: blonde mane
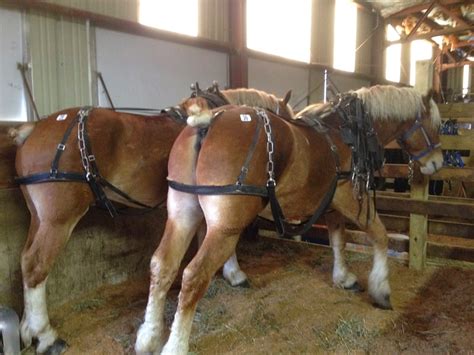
(386, 102)
(253, 97)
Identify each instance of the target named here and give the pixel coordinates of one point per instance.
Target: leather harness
(91, 174)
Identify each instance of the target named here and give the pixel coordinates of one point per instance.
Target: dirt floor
(291, 307)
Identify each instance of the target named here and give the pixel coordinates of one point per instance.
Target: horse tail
(19, 134)
(199, 114)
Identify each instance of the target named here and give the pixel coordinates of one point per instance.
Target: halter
(430, 146)
(212, 95)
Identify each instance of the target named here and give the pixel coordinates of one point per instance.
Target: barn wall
(160, 76)
(214, 19)
(344, 82)
(12, 99)
(322, 39)
(124, 9)
(278, 78)
(61, 62)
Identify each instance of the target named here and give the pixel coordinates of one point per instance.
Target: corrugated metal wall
(214, 19)
(60, 58)
(124, 9)
(322, 39)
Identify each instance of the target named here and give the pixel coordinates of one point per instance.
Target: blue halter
(430, 146)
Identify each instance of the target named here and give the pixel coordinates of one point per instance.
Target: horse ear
(287, 97)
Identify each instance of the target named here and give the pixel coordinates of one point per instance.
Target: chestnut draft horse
(244, 154)
(58, 161)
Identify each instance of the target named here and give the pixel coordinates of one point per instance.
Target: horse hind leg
(184, 218)
(49, 231)
(231, 270)
(341, 276)
(216, 249)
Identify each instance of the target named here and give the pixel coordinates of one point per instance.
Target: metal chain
(411, 171)
(270, 146)
(85, 159)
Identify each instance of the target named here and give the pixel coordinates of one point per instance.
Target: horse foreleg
(216, 249)
(184, 218)
(379, 287)
(340, 275)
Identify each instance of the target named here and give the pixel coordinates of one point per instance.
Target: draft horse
(248, 152)
(79, 157)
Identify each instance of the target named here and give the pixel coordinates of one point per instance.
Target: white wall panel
(145, 72)
(12, 98)
(60, 59)
(278, 78)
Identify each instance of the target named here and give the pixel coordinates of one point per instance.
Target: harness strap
(62, 147)
(245, 167)
(47, 177)
(92, 176)
(234, 189)
(285, 229)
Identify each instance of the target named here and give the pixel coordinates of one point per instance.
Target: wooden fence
(442, 215)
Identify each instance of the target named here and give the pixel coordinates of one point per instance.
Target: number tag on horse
(61, 117)
(245, 117)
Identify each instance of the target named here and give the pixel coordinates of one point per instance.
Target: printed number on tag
(245, 118)
(61, 117)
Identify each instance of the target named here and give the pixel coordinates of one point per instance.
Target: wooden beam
(446, 173)
(460, 44)
(458, 142)
(455, 17)
(418, 222)
(432, 34)
(457, 110)
(421, 20)
(434, 208)
(408, 11)
(450, 252)
(400, 224)
(238, 59)
(457, 65)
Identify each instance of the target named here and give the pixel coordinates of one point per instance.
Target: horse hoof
(383, 302)
(355, 287)
(57, 348)
(243, 284)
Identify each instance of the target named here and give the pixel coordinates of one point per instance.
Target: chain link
(270, 146)
(85, 159)
(411, 171)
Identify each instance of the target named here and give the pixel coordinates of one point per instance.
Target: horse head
(421, 140)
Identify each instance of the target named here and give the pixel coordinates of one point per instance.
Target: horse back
(131, 151)
(302, 158)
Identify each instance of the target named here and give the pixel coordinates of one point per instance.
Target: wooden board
(461, 111)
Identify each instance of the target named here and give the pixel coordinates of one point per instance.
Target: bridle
(430, 146)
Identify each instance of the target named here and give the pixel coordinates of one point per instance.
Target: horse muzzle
(433, 163)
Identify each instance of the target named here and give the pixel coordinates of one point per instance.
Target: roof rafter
(432, 34)
(455, 17)
(421, 20)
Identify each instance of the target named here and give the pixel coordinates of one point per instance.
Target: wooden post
(238, 59)
(418, 222)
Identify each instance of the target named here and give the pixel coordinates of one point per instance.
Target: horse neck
(388, 130)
